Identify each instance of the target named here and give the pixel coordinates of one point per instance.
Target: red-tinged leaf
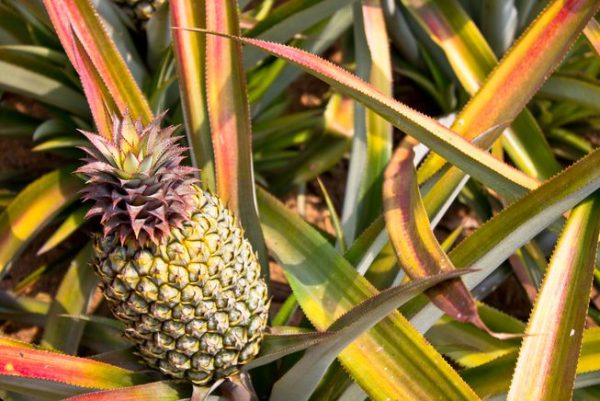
(229, 117)
(157, 391)
(98, 98)
(472, 60)
(78, 19)
(417, 249)
(592, 33)
(51, 366)
(190, 54)
(460, 152)
(548, 357)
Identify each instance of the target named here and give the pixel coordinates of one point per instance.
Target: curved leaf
(309, 370)
(32, 209)
(326, 286)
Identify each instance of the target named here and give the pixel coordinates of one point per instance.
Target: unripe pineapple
(174, 262)
(140, 10)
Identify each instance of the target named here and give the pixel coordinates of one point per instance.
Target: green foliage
(515, 79)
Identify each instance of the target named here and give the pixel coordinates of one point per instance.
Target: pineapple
(173, 261)
(140, 10)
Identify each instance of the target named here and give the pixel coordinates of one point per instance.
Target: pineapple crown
(135, 178)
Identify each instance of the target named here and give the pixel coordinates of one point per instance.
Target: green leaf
(72, 298)
(494, 377)
(276, 346)
(32, 210)
(229, 118)
(372, 140)
(66, 142)
(309, 370)
(327, 286)
(14, 124)
(190, 55)
(68, 227)
(577, 90)
(548, 356)
(472, 60)
(22, 76)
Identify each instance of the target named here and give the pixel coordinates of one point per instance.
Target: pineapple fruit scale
(173, 261)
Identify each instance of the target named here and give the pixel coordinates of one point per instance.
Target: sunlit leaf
(33, 209)
(549, 353)
(327, 286)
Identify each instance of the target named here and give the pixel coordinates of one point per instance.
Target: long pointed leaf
(472, 60)
(72, 298)
(190, 55)
(498, 238)
(157, 391)
(326, 286)
(417, 249)
(79, 19)
(548, 356)
(43, 365)
(309, 370)
(438, 138)
(372, 141)
(229, 118)
(32, 209)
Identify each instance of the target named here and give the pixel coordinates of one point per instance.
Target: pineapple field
(299, 200)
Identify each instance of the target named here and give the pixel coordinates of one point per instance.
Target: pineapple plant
(167, 247)
(139, 10)
(173, 260)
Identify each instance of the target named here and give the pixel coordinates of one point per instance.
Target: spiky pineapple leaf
(458, 151)
(472, 59)
(549, 353)
(79, 21)
(415, 245)
(190, 55)
(32, 209)
(157, 391)
(494, 377)
(309, 370)
(289, 19)
(276, 346)
(326, 286)
(498, 238)
(372, 140)
(37, 365)
(230, 127)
